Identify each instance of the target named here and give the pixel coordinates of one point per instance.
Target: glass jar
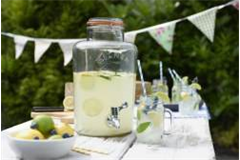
(150, 120)
(160, 86)
(189, 103)
(104, 80)
(176, 91)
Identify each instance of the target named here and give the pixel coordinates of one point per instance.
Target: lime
(92, 107)
(155, 117)
(163, 96)
(196, 86)
(68, 102)
(29, 134)
(43, 123)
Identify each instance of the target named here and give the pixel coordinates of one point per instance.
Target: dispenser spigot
(113, 119)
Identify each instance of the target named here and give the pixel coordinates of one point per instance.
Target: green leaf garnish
(105, 77)
(143, 126)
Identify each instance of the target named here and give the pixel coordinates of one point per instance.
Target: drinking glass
(151, 120)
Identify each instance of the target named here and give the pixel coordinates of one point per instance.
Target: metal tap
(113, 119)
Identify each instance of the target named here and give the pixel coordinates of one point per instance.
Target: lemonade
(95, 92)
(153, 133)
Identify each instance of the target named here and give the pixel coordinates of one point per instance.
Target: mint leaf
(143, 126)
(105, 77)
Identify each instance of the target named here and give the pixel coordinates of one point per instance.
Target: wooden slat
(53, 114)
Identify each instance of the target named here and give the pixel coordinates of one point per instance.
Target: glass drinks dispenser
(104, 80)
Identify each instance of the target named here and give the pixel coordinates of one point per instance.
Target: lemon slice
(196, 86)
(92, 107)
(87, 81)
(68, 102)
(185, 96)
(155, 117)
(185, 79)
(163, 97)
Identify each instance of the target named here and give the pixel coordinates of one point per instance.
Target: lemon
(196, 86)
(87, 81)
(92, 107)
(185, 96)
(55, 137)
(68, 102)
(29, 134)
(160, 84)
(163, 96)
(155, 117)
(64, 128)
(185, 79)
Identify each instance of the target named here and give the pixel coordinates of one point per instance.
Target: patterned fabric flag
(164, 35)
(20, 42)
(41, 47)
(205, 22)
(236, 4)
(66, 46)
(130, 37)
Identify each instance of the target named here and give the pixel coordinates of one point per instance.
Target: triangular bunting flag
(205, 22)
(40, 48)
(236, 4)
(164, 35)
(66, 47)
(20, 42)
(130, 37)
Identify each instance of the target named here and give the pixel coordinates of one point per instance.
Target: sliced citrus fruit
(68, 102)
(185, 96)
(196, 86)
(87, 81)
(92, 107)
(155, 117)
(163, 96)
(185, 79)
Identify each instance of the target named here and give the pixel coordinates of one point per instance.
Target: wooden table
(174, 146)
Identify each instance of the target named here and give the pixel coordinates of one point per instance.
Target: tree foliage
(25, 84)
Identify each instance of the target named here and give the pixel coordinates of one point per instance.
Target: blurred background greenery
(25, 84)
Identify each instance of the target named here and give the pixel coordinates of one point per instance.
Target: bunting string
(163, 34)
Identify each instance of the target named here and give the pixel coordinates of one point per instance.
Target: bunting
(164, 36)
(162, 33)
(66, 47)
(20, 42)
(41, 47)
(205, 22)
